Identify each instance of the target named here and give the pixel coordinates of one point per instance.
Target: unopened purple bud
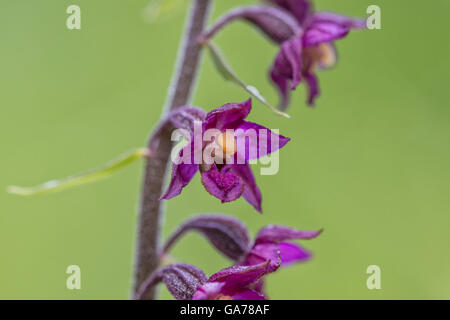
(226, 234)
(182, 280)
(181, 118)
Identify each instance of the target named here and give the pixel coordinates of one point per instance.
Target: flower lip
(223, 184)
(300, 9)
(272, 248)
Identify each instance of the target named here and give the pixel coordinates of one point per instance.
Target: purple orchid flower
(187, 282)
(300, 57)
(306, 38)
(273, 244)
(231, 237)
(235, 142)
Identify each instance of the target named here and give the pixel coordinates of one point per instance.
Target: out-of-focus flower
(187, 282)
(226, 174)
(305, 46)
(273, 244)
(275, 239)
(299, 58)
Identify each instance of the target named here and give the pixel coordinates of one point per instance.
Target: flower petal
(313, 87)
(299, 8)
(216, 291)
(223, 184)
(292, 253)
(255, 141)
(328, 26)
(286, 70)
(264, 252)
(288, 62)
(349, 22)
(248, 294)
(251, 192)
(182, 174)
(238, 277)
(228, 116)
(276, 233)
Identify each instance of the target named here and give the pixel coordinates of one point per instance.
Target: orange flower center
(227, 142)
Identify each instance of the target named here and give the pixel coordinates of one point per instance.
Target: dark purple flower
(181, 279)
(187, 282)
(300, 57)
(274, 241)
(227, 175)
(306, 39)
(233, 283)
(273, 244)
(230, 236)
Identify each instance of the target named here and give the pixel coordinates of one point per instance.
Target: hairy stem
(151, 209)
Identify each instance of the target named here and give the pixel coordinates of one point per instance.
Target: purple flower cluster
(300, 56)
(306, 39)
(272, 248)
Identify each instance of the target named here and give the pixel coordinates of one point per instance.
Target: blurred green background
(370, 164)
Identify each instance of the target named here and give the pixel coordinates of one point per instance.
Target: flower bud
(274, 22)
(226, 234)
(276, 233)
(182, 280)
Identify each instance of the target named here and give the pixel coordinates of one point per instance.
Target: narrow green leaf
(161, 10)
(229, 75)
(93, 175)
